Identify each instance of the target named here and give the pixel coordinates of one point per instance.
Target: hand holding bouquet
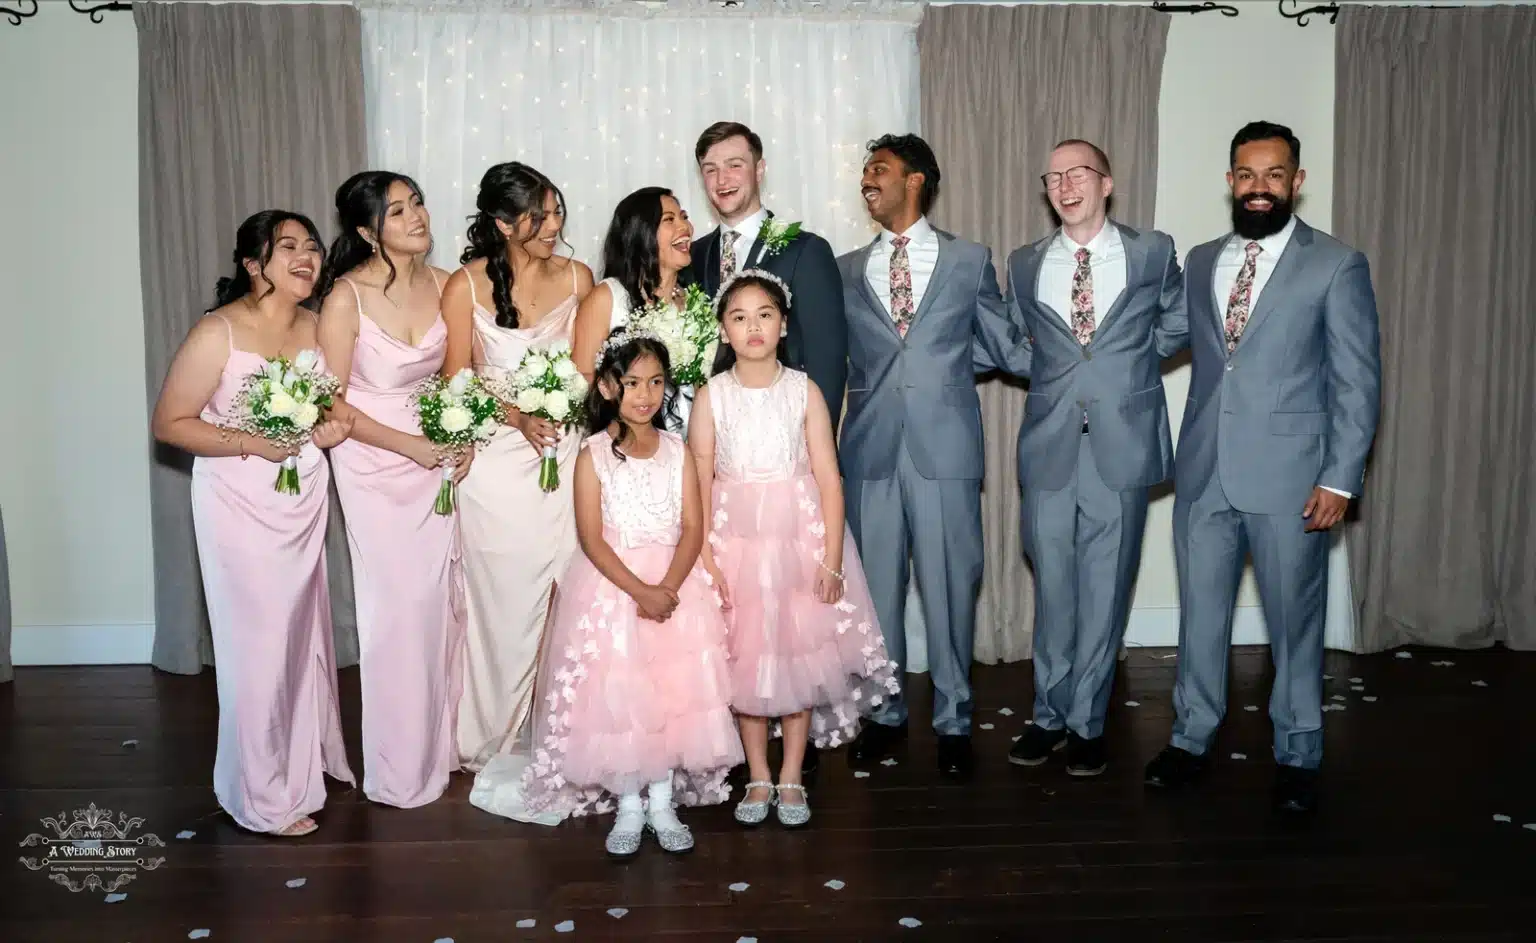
(282, 402)
(546, 384)
(455, 414)
(691, 334)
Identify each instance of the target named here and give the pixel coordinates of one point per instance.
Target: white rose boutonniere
(776, 235)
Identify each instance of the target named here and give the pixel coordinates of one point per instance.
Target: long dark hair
(361, 203)
(603, 412)
(508, 192)
(255, 239)
(725, 356)
(631, 253)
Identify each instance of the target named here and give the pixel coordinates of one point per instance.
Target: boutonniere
(776, 235)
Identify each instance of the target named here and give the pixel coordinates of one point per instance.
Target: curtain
(607, 96)
(5, 607)
(1000, 87)
(241, 108)
(1435, 122)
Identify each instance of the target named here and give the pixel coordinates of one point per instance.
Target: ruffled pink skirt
(623, 702)
(789, 651)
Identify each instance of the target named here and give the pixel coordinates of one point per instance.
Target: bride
(645, 257)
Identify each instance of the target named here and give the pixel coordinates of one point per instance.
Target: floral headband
(622, 337)
(764, 274)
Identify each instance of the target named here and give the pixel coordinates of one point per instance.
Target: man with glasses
(1102, 304)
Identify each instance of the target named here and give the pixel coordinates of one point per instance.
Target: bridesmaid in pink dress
(513, 293)
(384, 334)
(262, 552)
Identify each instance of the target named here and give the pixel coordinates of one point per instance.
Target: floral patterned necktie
(1082, 299)
(902, 309)
(728, 253)
(1241, 299)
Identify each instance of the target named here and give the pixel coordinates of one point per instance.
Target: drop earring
(783, 330)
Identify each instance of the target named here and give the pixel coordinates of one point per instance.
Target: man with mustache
(1283, 404)
(924, 317)
(1103, 304)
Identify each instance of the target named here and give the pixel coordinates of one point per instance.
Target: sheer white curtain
(607, 96)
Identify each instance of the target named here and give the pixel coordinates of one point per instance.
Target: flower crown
(764, 274)
(623, 336)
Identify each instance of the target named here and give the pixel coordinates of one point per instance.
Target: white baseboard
(130, 643)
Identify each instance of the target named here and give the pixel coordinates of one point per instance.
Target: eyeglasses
(1078, 175)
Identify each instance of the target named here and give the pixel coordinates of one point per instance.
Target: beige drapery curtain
(1435, 125)
(242, 107)
(1000, 87)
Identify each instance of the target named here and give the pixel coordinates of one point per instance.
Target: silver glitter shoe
(671, 834)
(791, 816)
(624, 839)
(754, 812)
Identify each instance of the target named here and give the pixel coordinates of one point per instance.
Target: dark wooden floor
(1406, 847)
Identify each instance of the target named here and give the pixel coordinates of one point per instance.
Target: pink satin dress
(406, 577)
(262, 556)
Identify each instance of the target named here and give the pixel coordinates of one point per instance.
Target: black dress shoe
(1085, 757)
(1295, 790)
(1175, 768)
(1036, 746)
(955, 757)
(812, 758)
(875, 741)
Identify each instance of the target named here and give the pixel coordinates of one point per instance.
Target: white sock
(630, 806)
(660, 795)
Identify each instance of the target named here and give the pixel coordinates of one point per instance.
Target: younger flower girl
(635, 687)
(805, 646)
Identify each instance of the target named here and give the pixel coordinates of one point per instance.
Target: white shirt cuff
(1337, 491)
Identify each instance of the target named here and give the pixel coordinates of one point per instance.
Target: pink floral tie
(1241, 298)
(902, 309)
(1082, 299)
(728, 253)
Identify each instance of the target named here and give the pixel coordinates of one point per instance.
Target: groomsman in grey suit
(924, 317)
(1102, 304)
(1282, 410)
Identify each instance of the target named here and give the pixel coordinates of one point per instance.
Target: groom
(924, 317)
(730, 157)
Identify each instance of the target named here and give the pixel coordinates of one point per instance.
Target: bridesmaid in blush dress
(384, 334)
(512, 293)
(262, 553)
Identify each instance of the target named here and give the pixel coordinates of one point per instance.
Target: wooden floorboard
(1405, 847)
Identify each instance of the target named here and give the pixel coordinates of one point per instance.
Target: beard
(1257, 224)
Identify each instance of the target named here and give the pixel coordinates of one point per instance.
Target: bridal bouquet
(547, 384)
(282, 402)
(691, 335)
(455, 414)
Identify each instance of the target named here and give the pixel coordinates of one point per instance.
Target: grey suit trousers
(930, 526)
(1084, 542)
(1211, 539)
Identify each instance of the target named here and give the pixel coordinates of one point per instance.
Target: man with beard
(730, 158)
(1283, 403)
(924, 317)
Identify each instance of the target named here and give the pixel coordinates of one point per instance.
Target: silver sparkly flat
(756, 811)
(624, 839)
(791, 816)
(671, 834)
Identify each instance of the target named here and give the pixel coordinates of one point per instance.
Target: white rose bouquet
(455, 414)
(282, 402)
(547, 384)
(691, 334)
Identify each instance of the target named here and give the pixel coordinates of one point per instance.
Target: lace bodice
(642, 497)
(760, 433)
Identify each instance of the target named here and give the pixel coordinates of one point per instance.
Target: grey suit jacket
(922, 388)
(1295, 406)
(1116, 379)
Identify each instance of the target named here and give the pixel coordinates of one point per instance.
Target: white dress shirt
(1230, 260)
(922, 257)
(746, 231)
(1106, 260)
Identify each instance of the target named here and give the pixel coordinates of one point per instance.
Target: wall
(74, 479)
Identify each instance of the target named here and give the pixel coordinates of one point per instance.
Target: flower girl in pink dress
(805, 646)
(634, 691)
